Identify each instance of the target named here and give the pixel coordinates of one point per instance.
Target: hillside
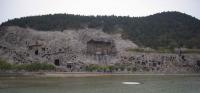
(161, 30)
(90, 50)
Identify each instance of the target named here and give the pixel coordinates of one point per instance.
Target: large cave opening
(100, 47)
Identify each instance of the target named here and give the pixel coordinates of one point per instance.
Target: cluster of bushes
(125, 67)
(192, 51)
(34, 67)
(111, 68)
(140, 50)
(4, 66)
(165, 50)
(99, 68)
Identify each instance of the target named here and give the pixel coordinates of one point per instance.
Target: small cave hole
(154, 64)
(57, 62)
(198, 63)
(36, 52)
(69, 66)
(183, 58)
(43, 49)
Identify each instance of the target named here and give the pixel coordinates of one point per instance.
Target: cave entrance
(57, 62)
(198, 63)
(36, 52)
(154, 64)
(99, 46)
(69, 65)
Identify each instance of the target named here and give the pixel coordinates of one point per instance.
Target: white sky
(10, 9)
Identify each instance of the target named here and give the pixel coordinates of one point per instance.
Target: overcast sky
(10, 9)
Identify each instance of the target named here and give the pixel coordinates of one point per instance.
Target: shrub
(128, 69)
(29, 67)
(39, 66)
(92, 67)
(135, 50)
(143, 50)
(165, 50)
(134, 69)
(4, 65)
(47, 66)
(111, 68)
(99, 68)
(19, 66)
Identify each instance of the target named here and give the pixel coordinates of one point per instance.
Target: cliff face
(73, 49)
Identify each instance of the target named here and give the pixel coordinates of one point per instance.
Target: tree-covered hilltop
(161, 30)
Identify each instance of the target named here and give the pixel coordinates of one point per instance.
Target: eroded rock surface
(73, 49)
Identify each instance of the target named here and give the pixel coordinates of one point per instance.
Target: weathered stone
(71, 50)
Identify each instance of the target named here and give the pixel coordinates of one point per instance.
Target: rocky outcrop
(71, 50)
(161, 62)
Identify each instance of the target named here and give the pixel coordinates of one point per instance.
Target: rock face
(71, 50)
(156, 62)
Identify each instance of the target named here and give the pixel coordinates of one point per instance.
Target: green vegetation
(157, 50)
(165, 50)
(191, 51)
(34, 67)
(99, 68)
(4, 66)
(167, 29)
(110, 68)
(136, 50)
(140, 50)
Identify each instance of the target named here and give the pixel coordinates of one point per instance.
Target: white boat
(131, 83)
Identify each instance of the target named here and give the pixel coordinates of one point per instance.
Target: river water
(101, 84)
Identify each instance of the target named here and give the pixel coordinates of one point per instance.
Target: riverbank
(82, 74)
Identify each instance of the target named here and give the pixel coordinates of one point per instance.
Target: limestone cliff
(73, 49)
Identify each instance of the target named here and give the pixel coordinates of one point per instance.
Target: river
(102, 84)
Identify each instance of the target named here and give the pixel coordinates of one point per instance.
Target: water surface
(101, 84)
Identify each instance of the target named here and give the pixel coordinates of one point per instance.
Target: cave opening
(198, 63)
(36, 52)
(69, 65)
(57, 62)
